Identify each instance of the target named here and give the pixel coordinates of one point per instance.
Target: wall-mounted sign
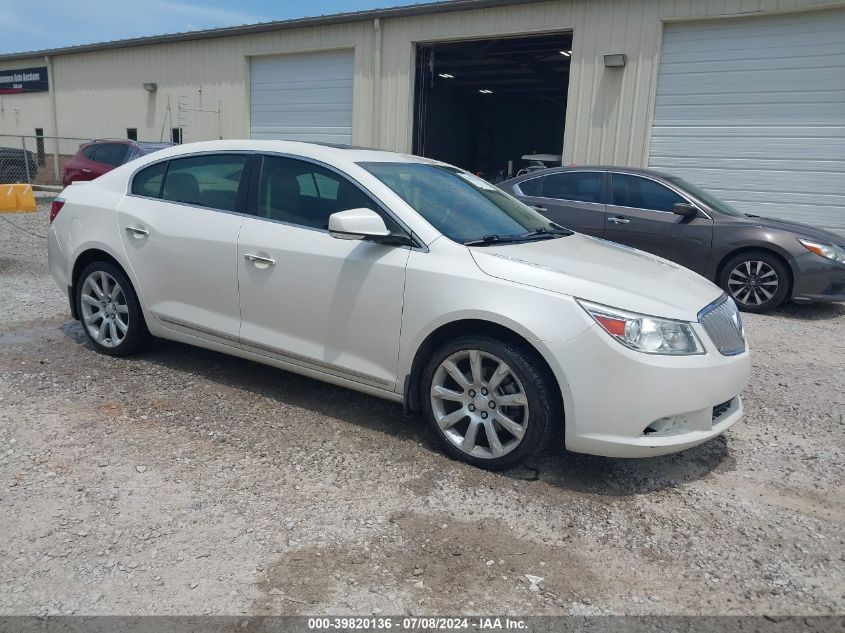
(24, 80)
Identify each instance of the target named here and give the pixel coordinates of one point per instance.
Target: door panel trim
(315, 365)
(275, 353)
(196, 330)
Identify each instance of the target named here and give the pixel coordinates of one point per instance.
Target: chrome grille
(722, 322)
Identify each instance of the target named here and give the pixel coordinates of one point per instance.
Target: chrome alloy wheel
(479, 404)
(104, 309)
(753, 282)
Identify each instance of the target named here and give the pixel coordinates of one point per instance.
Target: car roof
(643, 171)
(328, 152)
(124, 141)
(153, 145)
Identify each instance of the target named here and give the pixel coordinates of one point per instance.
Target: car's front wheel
(490, 403)
(756, 280)
(109, 310)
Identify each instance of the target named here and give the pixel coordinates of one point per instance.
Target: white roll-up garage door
(753, 110)
(302, 96)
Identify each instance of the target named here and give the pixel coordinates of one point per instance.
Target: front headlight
(644, 333)
(825, 250)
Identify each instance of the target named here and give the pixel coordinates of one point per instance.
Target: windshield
(719, 206)
(463, 207)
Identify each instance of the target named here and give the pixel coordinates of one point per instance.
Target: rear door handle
(86, 170)
(538, 207)
(257, 259)
(618, 220)
(137, 232)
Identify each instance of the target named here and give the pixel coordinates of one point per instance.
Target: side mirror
(685, 210)
(357, 224)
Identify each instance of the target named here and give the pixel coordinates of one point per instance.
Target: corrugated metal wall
(101, 93)
(608, 118)
(303, 96)
(754, 112)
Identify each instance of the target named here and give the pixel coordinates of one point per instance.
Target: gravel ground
(184, 481)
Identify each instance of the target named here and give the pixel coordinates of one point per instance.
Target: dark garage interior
(479, 104)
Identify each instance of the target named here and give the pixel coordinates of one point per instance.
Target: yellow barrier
(17, 199)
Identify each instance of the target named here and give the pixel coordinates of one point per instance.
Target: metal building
(743, 97)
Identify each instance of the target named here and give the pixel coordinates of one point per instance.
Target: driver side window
(305, 194)
(642, 193)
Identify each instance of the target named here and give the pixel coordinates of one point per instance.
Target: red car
(98, 157)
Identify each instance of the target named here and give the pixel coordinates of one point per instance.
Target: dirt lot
(184, 481)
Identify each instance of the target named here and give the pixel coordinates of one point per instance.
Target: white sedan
(407, 279)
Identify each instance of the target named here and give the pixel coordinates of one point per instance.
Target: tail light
(57, 205)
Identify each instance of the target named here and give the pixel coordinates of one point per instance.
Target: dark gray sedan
(759, 261)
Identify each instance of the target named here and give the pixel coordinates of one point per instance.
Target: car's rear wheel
(490, 403)
(109, 310)
(756, 280)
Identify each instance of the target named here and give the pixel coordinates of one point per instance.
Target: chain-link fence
(38, 160)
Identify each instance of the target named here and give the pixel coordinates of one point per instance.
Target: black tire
(749, 289)
(536, 385)
(137, 333)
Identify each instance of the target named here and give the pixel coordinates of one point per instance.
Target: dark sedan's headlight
(827, 251)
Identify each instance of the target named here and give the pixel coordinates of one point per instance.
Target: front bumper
(622, 403)
(818, 279)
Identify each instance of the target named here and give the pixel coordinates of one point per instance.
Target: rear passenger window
(208, 181)
(147, 182)
(533, 187)
(642, 193)
(580, 186)
(110, 154)
(306, 194)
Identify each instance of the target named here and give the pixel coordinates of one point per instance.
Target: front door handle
(137, 232)
(538, 207)
(258, 260)
(618, 220)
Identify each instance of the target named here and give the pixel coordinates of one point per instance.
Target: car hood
(603, 272)
(797, 228)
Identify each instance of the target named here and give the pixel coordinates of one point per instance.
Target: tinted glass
(88, 152)
(578, 186)
(533, 187)
(461, 206)
(718, 205)
(642, 193)
(306, 194)
(110, 154)
(208, 181)
(147, 182)
(149, 148)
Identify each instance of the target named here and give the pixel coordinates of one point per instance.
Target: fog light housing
(672, 425)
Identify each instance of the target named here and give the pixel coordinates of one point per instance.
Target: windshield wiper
(485, 241)
(554, 230)
(540, 233)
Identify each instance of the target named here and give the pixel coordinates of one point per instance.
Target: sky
(28, 25)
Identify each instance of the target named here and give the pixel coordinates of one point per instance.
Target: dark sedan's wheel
(109, 310)
(490, 403)
(757, 281)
